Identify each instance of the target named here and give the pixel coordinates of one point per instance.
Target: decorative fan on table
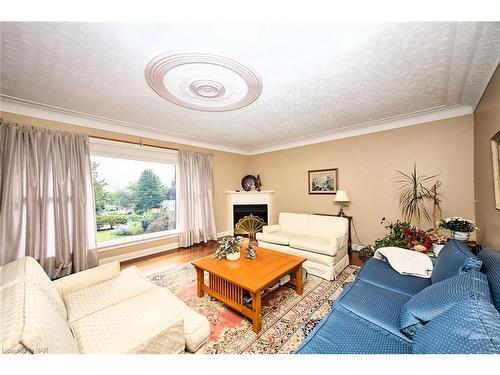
(249, 225)
(249, 183)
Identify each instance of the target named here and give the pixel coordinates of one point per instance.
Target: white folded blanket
(406, 262)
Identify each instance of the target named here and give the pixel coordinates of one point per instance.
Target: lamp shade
(341, 196)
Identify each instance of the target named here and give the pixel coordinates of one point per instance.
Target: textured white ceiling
(317, 78)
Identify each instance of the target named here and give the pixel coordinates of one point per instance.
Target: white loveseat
(320, 239)
(101, 310)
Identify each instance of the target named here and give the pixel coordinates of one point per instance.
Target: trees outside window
(132, 197)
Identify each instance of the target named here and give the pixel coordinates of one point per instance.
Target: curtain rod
(140, 143)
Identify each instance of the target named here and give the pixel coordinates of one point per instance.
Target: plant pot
(436, 248)
(233, 256)
(460, 236)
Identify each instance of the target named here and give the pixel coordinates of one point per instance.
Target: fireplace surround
(242, 203)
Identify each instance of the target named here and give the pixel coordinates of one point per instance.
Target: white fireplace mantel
(250, 197)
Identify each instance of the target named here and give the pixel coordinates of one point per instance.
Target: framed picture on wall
(495, 157)
(323, 181)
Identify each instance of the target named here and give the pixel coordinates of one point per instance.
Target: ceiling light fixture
(203, 81)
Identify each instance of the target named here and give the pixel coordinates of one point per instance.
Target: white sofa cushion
(196, 326)
(294, 223)
(129, 326)
(171, 340)
(321, 239)
(314, 244)
(29, 322)
(129, 283)
(327, 260)
(28, 269)
(84, 279)
(274, 237)
(327, 226)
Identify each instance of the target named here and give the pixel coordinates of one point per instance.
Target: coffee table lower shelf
(232, 294)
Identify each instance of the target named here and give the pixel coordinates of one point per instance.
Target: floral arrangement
(404, 235)
(458, 224)
(396, 235)
(438, 239)
(418, 240)
(229, 245)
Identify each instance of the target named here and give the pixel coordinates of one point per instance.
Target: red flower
(428, 242)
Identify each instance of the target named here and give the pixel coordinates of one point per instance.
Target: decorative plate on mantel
(249, 183)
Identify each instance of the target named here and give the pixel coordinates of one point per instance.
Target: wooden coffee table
(228, 280)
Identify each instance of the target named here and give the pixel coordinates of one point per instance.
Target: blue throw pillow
(454, 258)
(438, 298)
(464, 329)
(491, 268)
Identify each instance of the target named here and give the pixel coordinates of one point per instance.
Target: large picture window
(134, 190)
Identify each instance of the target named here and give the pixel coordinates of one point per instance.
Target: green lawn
(107, 235)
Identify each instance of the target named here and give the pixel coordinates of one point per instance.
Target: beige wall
(229, 168)
(367, 168)
(486, 125)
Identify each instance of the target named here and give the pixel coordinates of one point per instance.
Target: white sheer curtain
(196, 216)
(46, 199)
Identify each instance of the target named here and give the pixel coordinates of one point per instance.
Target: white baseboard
(139, 254)
(224, 234)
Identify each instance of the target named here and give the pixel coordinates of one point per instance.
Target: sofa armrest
(271, 228)
(87, 278)
(339, 242)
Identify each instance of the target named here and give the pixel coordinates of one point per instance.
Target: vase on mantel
(460, 236)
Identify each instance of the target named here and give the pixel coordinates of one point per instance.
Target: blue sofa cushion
(465, 329)
(377, 305)
(341, 332)
(439, 297)
(380, 273)
(491, 268)
(454, 258)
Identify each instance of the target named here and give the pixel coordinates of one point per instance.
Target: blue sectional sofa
(382, 311)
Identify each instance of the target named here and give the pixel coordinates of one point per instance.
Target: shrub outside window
(134, 191)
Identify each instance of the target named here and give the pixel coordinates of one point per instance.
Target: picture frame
(323, 181)
(495, 158)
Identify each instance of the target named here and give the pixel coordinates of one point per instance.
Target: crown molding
(52, 113)
(415, 118)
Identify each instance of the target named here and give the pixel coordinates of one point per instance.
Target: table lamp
(341, 197)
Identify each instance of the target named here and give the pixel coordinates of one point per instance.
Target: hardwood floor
(157, 262)
(160, 261)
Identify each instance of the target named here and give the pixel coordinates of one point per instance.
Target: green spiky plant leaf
(412, 195)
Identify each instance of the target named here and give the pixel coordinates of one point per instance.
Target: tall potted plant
(436, 198)
(412, 195)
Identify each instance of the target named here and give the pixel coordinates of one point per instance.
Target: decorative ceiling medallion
(207, 88)
(215, 83)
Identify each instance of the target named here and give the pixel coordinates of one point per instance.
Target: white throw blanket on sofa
(406, 262)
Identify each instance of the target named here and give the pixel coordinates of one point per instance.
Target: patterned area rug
(287, 318)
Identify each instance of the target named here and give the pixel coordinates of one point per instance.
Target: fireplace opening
(242, 210)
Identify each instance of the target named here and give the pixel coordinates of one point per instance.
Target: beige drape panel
(46, 199)
(196, 217)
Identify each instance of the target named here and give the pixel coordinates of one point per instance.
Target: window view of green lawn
(132, 197)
